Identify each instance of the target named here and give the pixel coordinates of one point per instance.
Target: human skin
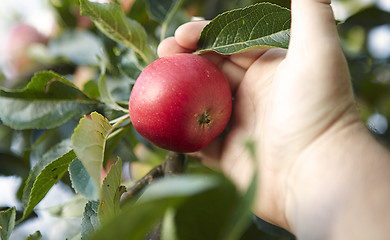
(322, 174)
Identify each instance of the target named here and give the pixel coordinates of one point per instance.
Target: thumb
(313, 28)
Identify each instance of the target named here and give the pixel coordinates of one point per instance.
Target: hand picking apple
(321, 173)
(181, 102)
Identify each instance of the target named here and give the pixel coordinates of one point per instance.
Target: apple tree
(69, 122)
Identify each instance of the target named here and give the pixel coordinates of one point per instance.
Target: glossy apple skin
(181, 102)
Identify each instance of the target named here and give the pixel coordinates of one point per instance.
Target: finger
(313, 28)
(187, 35)
(170, 46)
(246, 59)
(210, 155)
(233, 72)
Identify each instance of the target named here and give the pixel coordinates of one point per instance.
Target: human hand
(290, 103)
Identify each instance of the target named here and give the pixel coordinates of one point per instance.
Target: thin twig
(153, 174)
(172, 165)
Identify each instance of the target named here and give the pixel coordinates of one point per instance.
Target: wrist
(329, 182)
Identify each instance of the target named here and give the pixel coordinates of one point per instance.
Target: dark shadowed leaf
(262, 25)
(106, 95)
(82, 181)
(135, 219)
(368, 18)
(12, 165)
(158, 9)
(207, 215)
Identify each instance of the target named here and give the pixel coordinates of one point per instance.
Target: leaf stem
(120, 119)
(169, 18)
(107, 136)
(142, 55)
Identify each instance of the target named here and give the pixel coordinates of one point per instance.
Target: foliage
(70, 122)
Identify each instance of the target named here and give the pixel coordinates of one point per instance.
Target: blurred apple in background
(18, 40)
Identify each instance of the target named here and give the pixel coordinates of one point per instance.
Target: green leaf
(70, 209)
(6, 137)
(262, 25)
(46, 179)
(241, 213)
(167, 12)
(48, 101)
(135, 219)
(79, 46)
(7, 222)
(90, 222)
(207, 215)
(91, 89)
(112, 21)
(88, 140)
(54, 153)
(82, 181)
(110, 193)
(168, 231)
(158, 9)
(106, 95)
(35, 236)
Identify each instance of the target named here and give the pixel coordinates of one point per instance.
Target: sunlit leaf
(262, 25)
(35, 236)
(168, 231)
(112, 21)
(111, 191)
(88, 142)
(54, 153)
(46, 179)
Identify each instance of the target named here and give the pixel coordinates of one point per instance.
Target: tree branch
(173, 164)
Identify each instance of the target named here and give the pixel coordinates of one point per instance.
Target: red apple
(180, 102)
(17, 42)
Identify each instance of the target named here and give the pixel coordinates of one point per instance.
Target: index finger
(187, 35)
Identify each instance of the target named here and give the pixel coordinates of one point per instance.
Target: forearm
(342, 188)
